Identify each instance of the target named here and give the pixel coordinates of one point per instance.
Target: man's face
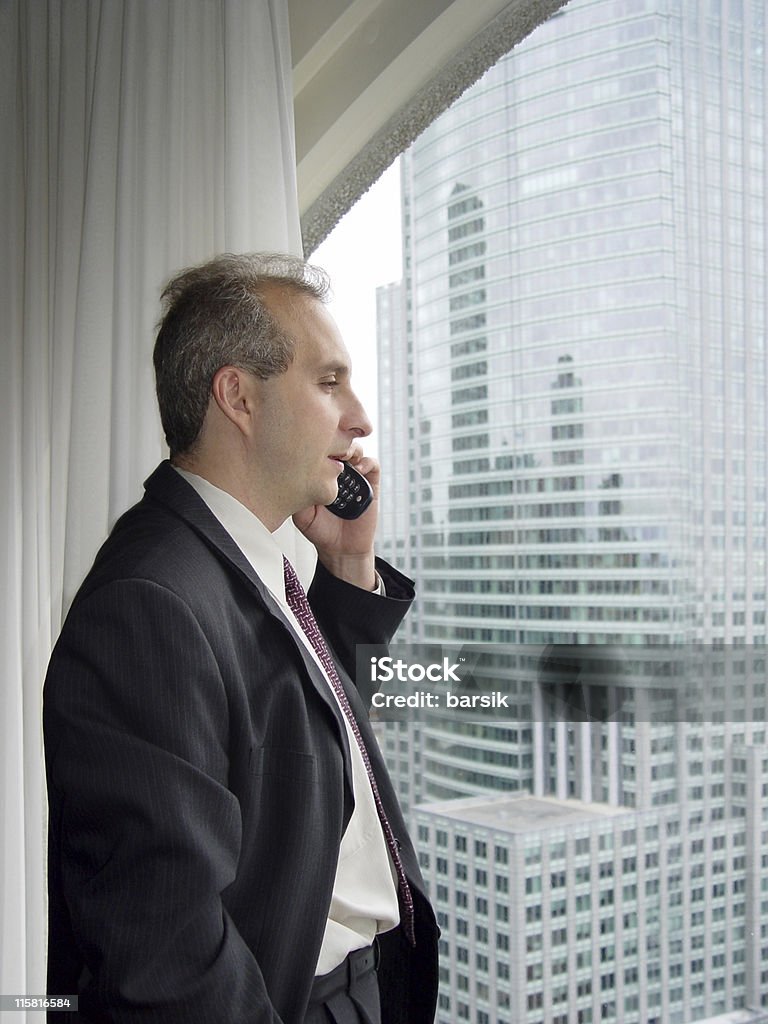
(308, 416)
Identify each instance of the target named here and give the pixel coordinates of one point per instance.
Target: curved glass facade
(578, 457)
(585, 254)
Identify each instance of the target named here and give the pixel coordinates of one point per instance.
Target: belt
(341, 979)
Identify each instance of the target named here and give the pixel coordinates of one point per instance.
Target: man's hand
(345, 546)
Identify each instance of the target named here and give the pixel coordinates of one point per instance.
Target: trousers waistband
(357, 964)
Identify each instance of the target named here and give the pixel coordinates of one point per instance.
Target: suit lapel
(172, 490)
(166, 486)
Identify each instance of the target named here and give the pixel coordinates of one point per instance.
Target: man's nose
(356, 419)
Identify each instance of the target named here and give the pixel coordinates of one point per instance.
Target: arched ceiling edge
(507, 29)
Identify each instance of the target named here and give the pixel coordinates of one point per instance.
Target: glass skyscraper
(586, 293)
(574, 413)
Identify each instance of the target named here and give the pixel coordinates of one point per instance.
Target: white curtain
(138, 136)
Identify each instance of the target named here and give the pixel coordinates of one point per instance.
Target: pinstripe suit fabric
(199, 782)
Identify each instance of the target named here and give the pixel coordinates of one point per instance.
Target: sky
(363, 252)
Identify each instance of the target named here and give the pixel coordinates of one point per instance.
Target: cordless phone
(355, 494)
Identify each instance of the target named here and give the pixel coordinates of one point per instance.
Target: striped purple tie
(299, 605)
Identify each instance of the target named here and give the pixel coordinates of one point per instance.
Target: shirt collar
(263, 549)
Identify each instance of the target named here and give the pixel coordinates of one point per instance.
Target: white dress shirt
(364, 900)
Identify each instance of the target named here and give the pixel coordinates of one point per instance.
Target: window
(590, 484)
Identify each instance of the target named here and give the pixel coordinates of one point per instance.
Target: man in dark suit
(225, 845)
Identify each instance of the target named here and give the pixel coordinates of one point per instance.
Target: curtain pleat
(139, 136)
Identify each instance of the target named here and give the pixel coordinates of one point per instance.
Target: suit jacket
(200, 782)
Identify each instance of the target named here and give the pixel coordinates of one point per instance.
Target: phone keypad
(348, 491)
(354, 496)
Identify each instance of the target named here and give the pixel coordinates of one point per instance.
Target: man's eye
(330, 383)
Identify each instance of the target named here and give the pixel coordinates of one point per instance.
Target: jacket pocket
(276, 762)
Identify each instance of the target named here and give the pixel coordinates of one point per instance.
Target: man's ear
(234, 393)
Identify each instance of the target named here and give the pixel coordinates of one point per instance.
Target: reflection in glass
(578, 463)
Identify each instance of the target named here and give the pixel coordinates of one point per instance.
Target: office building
(554, 912)
(583, 328)
(580, 362)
